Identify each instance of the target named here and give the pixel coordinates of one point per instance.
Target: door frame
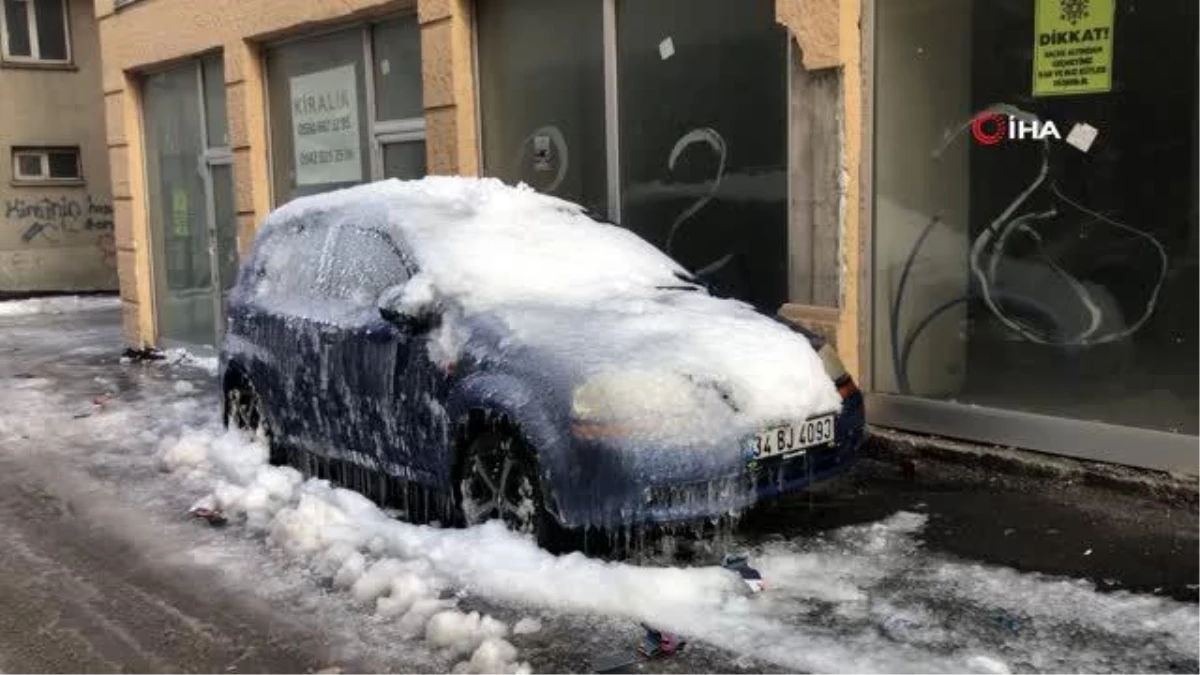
(208, 158)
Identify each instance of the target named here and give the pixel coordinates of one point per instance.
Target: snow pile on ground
(414, 575)
(580, 289)
(57, 305)
(346, 539)
(862, 599)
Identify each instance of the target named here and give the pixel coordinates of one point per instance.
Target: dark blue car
(462, 350)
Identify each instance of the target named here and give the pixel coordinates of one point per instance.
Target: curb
(905, 449)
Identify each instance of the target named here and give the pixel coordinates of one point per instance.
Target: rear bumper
(636, 501)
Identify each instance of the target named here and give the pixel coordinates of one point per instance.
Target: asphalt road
(81, 595)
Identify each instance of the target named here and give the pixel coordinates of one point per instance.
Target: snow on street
(99, 461)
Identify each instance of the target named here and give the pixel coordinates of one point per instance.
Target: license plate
(792, 438)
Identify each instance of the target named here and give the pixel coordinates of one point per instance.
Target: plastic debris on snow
(542, 267)
(660, 644)
(740, 563)
(207, 510)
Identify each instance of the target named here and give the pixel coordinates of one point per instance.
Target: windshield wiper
(691, 283)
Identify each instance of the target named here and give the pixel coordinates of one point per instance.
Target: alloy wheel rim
(497, 488)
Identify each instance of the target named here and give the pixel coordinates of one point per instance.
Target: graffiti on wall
(49, 219)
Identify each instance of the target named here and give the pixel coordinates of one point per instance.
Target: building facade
(961, 194)
(56, 220)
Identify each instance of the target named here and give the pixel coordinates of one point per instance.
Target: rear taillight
(846, 387)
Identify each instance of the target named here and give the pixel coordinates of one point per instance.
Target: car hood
(681, 366)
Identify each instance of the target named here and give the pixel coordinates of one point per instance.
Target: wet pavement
(1116, 539)
(101, 570)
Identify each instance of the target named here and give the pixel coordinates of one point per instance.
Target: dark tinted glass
(216, 120)
(704, 139)
(51, 29)
(397, 56)
(64, 164)
(16, 23)
(542, 94)
(405, 160)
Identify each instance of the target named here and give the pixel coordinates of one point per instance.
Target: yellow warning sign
(1073, 47)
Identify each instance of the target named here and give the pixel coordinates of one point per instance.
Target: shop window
(404, 159)
(35, 30)
(396, 52)
(1035, 209)
(216, 120)
(703, 133)
(542, 96)
(46, 165)
(668, 117)
(331, 127)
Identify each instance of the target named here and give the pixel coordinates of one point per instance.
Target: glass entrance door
(192, 214)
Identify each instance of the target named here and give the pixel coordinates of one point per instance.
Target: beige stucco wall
(57, 237)
(150, 33)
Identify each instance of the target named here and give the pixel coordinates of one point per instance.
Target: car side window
(358, 265)
(286, 262)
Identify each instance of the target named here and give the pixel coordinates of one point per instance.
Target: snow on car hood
(592, 292)
(715, 362)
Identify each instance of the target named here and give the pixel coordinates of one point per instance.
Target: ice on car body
(621, 331)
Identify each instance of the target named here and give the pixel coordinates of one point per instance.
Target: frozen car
(464, 350)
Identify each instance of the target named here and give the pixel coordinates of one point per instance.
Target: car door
(379, 386)
(275, 320)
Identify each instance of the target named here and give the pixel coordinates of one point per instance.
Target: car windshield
(485, 244)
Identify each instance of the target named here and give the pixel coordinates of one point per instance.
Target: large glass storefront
(1035, 214)
(666, 116)
(335, 122)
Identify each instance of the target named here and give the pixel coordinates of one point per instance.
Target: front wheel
(244, 410)
(499, 481)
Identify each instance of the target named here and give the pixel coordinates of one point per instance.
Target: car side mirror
(414, 318)
(415, 323)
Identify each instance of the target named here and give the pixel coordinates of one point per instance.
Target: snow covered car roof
(595, 293)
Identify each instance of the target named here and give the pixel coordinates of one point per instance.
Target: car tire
(244, 410)
(498, 480)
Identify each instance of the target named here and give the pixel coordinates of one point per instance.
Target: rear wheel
(499, 481)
